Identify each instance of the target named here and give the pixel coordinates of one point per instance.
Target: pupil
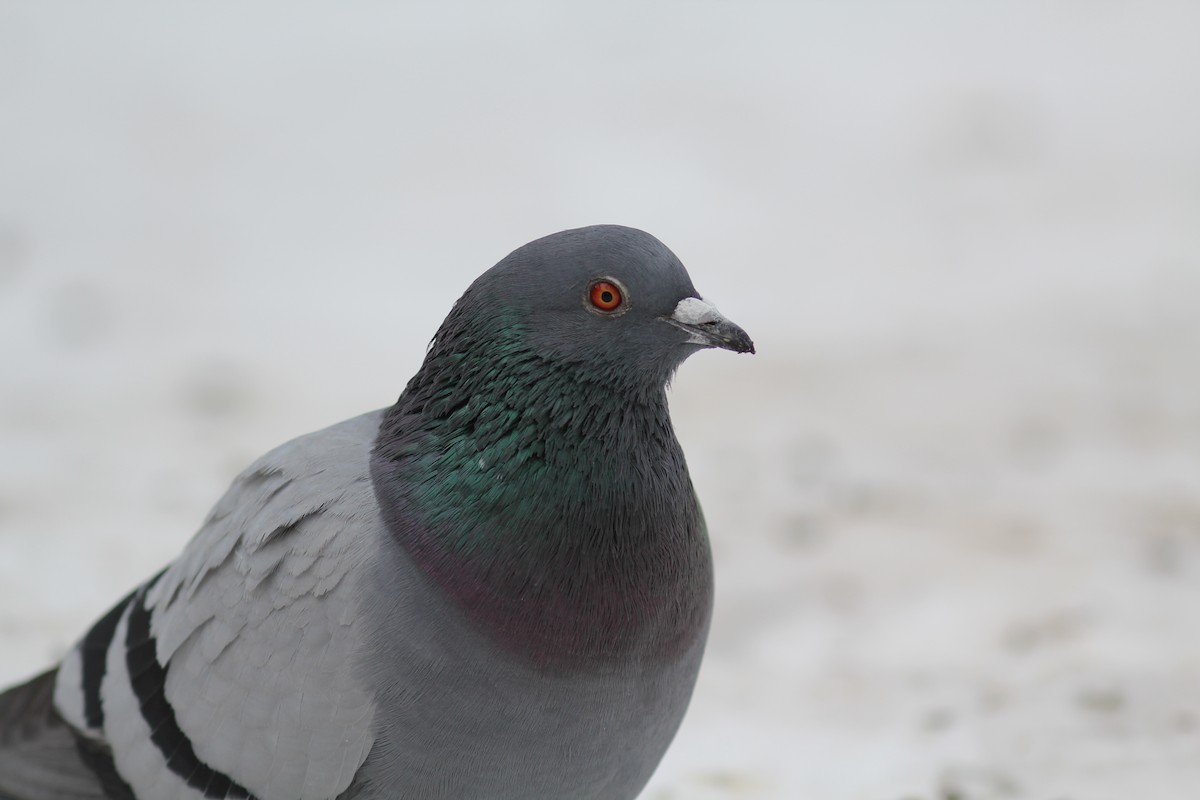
(606, 297)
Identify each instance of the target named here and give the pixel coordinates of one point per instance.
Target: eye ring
(606, 296)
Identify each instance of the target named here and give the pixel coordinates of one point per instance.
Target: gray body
(299, 650)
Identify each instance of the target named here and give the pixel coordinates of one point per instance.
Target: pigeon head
(607, 301)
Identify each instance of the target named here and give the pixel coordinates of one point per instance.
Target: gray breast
(458, 718)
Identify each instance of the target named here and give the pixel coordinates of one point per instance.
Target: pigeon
(499, 587)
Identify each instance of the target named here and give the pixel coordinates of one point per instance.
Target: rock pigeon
(499, 587)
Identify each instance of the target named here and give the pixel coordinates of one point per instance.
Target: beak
(707, 327)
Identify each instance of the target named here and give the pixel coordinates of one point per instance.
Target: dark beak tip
(742, 342)
(728, 336)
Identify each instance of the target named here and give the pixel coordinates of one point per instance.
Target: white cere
(695, 311)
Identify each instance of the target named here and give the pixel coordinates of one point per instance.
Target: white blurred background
(955, 499)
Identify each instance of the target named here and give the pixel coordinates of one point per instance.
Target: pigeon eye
(605, 296)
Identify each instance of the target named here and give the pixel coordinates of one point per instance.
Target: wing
(41, 758)
(231, 673)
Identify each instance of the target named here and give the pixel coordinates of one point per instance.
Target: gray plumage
(497, 588)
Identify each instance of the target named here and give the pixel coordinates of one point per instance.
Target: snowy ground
(955, 500)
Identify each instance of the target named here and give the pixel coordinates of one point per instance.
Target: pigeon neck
(556, 511)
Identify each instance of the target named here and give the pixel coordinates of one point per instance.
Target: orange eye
(606, 296)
